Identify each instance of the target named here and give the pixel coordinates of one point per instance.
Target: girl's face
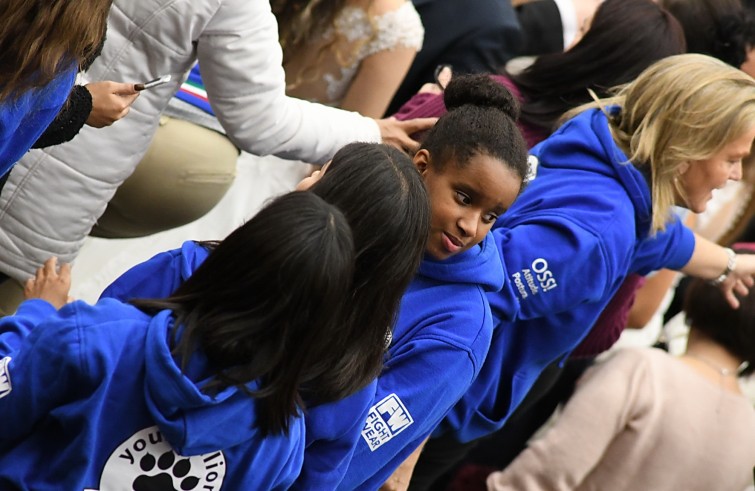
(700, 177)
(465, 201)
(311, 179)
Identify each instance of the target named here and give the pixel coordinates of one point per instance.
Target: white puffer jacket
(53, 197)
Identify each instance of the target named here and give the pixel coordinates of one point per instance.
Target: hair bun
(480, 90)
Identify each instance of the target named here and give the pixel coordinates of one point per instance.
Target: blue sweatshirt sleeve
(157, 277)
(15, 328)
(44, 372)
(554, 264)
(421, 382)
(332, 433)
(670, 249)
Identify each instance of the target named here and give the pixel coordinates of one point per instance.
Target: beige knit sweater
(641, 420)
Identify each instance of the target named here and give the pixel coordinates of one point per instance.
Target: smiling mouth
(458, 243)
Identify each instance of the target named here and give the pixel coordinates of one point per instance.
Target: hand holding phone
(152, 83)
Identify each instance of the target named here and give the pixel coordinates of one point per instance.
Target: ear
(421, 161)
(683, 168)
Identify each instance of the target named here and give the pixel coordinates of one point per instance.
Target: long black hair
(267, 303)
(481, 120)
(625, 37)
(384, 199)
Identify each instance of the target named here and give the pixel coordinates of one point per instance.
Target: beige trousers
(184, 174)
(11, 296)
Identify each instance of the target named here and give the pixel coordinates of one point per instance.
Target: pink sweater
(642, 420)
(431, 105)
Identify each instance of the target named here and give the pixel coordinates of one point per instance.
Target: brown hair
(41, 38)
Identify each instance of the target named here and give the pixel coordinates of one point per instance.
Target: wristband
(730, 267)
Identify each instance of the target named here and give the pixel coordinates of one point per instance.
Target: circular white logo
(145, 462)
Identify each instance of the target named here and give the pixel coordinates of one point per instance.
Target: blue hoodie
(440, 341)
(331, 433)
(443, 329)
(91, 398)
(567, 244)
(24, 119)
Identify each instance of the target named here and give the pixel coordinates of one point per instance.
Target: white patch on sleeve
(5, 385)
(385, 420)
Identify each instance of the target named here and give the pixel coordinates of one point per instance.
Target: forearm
(708, 261)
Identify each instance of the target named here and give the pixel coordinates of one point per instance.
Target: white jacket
(53, 197)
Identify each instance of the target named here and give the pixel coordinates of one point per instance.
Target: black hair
(384, 199)
(723, 29)
(266, 305)
(625, 37)
(709, 312)
(481, 119)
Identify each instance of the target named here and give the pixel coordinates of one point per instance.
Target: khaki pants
(11, 296)
(184, 174)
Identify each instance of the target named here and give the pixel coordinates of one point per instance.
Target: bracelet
(730, 267)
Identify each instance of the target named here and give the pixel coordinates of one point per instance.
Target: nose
(736, 172)
(469, 222)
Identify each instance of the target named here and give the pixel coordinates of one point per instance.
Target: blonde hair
(41, 38)
(681, 109)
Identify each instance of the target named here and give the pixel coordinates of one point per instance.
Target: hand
(50, 284)
(396, 133)
(111, 101)
(430, 88)
(740, 280)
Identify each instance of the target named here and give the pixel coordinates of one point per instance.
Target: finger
(410, 146)
(748, 280)
(729, 294)
(65, 271)
(740, 288)
(51, 266)
(125, 89)
(418, 124)
(28, 287)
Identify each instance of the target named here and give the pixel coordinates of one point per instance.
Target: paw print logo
(172, 473)
(146, 462)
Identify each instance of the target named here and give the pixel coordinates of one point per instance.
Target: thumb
(125, 89)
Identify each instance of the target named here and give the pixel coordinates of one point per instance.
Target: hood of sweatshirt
(585, 143)
(194, 422)
(480, 265)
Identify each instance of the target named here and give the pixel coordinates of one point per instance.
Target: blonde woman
(600, 209)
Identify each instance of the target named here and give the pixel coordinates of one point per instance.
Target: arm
(242, 72)
(649, 298)
(43, 373)
(333, 430)
(401, 477)
(608, 398)
(419, 385)
(376, 81)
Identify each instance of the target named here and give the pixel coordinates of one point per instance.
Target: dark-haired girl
(383, 198)
(199, 390)
(473, 163)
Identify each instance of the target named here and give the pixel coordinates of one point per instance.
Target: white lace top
(324, 75)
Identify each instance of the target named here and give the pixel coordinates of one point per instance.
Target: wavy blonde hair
(40, 38)
(681, 109)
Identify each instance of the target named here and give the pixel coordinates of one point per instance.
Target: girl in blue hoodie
(199, 390)
(600, 209)
(473, 162)
(444, 327)
(383, 198)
